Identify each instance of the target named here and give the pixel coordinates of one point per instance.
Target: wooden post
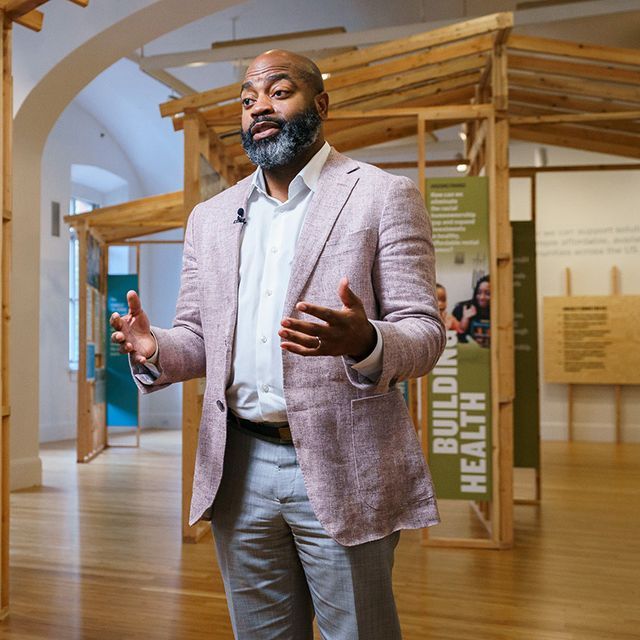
(6, 122)
(138, 400)
(615, 290)
(194, 141)
(503, 384)
(83, 443)
(567, 289)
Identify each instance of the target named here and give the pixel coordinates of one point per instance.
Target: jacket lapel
(336, 182)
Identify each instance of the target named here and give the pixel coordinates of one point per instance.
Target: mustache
(277, 121)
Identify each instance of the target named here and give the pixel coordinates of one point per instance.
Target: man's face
(441, 295)
(281, 116)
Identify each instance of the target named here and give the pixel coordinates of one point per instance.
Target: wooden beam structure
(496, 85)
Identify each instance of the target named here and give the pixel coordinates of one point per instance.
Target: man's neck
(278, 179)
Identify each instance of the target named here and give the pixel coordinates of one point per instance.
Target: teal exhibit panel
(460, 428)
(121, 392)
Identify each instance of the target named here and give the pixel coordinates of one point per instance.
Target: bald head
(300, 67)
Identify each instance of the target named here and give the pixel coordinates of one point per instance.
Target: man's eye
(247, 102)
(280, 93)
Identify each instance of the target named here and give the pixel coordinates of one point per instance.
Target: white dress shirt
(268, 246)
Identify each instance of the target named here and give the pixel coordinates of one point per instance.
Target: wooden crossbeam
(123, 212)
(517, 109)
(607, 72)
(32, 20)
(575, 86)
(455, 112)
(548, 46)
(574, 117)
(579, 138)
(80, 3)
(360, 57)
(17, 8)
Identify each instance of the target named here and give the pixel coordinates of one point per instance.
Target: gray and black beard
(283, 148)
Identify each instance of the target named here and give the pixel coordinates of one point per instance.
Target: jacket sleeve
(181, 351)
(403, 278)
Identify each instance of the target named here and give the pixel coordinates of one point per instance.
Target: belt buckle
(285, 434)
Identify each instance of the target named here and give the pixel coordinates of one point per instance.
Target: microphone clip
(240, 217)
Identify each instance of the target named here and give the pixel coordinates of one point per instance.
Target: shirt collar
(308, 175)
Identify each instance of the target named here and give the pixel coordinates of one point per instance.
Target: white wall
(159, 283)
(571, 207)
(75, 139)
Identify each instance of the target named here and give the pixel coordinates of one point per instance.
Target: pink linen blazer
(360, 458)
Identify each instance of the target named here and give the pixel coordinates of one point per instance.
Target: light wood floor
(96, 555)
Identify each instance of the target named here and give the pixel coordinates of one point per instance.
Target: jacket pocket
(390, 469)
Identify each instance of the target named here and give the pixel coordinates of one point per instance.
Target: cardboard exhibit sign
(592, 339)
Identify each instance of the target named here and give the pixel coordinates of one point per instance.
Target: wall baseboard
(589, 432)
(25, 473)
(54, 432)
(154, 420)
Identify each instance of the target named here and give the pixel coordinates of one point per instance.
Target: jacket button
(220, 405)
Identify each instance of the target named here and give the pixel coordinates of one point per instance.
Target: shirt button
(274, 249)
(265, 388)
(269, 292)
(263, 339)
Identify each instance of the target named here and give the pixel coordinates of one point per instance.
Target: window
(76, 206)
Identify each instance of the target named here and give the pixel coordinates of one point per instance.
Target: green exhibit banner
(121, 391)
(526, 406)
(459, 437)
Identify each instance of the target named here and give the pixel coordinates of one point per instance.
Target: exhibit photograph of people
(316, 320)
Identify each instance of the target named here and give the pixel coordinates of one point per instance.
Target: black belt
(270, 431)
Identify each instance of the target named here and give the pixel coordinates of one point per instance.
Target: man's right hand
(133, 331)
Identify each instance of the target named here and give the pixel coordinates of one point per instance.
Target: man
(307, 461)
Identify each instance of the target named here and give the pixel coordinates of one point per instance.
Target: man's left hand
(344, 332)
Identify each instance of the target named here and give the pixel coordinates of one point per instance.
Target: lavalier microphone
(241, 219)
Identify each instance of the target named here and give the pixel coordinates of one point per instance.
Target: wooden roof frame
(561, 93)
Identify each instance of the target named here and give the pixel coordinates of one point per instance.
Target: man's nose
(261, 106)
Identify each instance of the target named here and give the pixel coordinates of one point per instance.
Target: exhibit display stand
(592, 340)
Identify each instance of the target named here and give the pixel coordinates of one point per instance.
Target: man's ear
(322, 104)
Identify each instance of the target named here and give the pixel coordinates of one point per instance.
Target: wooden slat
(575, 86)
(32, 20)
(444, 53)
(359, 57)
(80, 3)
(575, 117)
(564, 102)
(607, 72)
(392, 83)
(547, 46)
(17, 8)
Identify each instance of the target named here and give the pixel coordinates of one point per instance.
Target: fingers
(133, 300)
(330, 316)
(310, 342)
(310, 328)
(348, 298)
(115, 321)
(299, 349)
